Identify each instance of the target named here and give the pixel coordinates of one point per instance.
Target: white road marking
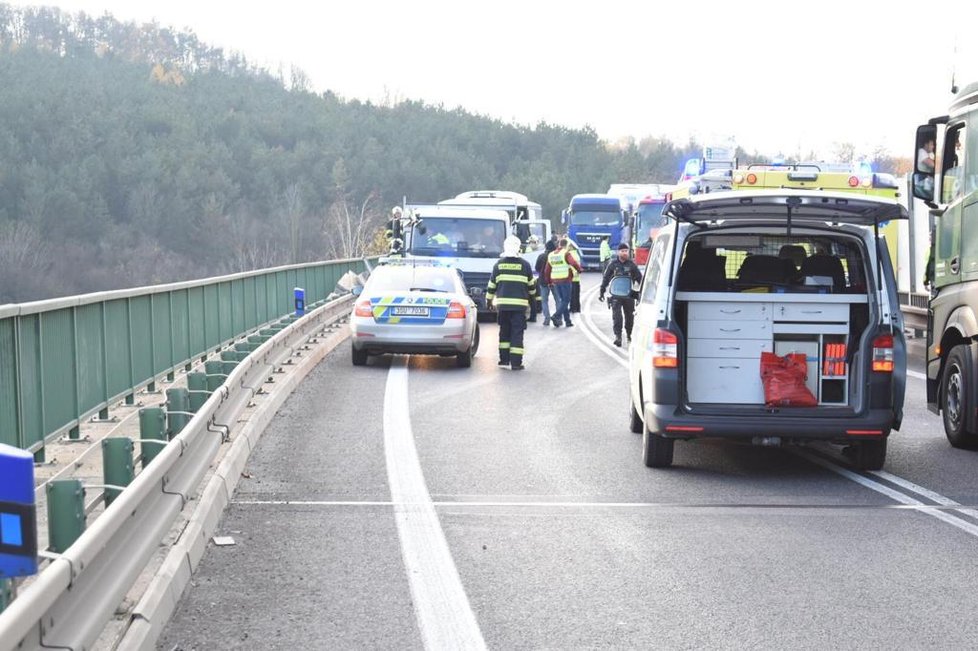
(895, 495)
(925, 492)
(916, 374)
(441, 606)
(918, 506)
(591, 330)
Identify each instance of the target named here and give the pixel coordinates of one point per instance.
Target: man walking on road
(575, 253)
(557, 274)
(544, 288)
(621, 308)
(511, 288)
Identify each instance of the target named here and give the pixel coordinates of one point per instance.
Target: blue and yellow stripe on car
(382, 308)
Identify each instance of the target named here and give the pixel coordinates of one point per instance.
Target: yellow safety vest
(559, 269)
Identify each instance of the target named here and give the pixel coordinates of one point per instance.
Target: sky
(776, 77)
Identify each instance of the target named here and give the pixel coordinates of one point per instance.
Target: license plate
(409, 310)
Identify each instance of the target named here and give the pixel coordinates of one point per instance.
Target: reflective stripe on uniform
(516, 351)
(513, 278)
(512, 301)
(503, 345)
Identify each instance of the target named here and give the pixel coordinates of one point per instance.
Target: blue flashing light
(18, 519)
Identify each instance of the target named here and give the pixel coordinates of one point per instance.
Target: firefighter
(621, 308)
(510, 290)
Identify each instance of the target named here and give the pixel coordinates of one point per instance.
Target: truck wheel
(870, 455)
(635, 423)
(956, 399)
(656, 450)
(359, 356)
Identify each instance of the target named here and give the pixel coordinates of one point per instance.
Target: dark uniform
(511, 288)
(621, 308)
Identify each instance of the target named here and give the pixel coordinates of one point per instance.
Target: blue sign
(18, 513)
(300, 301)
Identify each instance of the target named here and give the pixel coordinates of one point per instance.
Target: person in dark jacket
(544, 288)
(622, 309)
(511, 288)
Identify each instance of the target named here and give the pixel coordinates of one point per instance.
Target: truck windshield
(466, 238)
(649, 217)
(595, 218)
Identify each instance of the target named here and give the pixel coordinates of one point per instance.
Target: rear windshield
(404, 279)
(772, 263)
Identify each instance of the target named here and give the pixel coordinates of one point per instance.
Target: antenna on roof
(954, 66)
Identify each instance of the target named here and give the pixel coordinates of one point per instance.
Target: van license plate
(408, 310)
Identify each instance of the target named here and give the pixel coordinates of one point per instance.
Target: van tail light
(883, 354)
(364, 308)
(665, 349)
(455, 311)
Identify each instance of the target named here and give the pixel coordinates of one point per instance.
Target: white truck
(525, 216)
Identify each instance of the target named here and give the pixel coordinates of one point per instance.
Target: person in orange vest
(558, 274)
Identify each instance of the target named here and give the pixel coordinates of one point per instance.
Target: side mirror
(925, 158)
(563, 216)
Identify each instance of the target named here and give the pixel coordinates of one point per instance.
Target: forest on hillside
(135, 154)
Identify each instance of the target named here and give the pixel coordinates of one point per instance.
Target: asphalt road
(410, 504)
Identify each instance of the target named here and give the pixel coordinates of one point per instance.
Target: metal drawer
(717, 310)
(729, 329)
(812, 312)
(744, 348)
(724, 381)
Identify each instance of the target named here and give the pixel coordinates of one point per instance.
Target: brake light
(883, 354)
(455, 311)
(751, 179)
(665, 349)
(363, 308)
(853, 181)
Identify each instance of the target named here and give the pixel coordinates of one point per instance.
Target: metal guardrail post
(199, 393)
(118, 468)
(215, 374)
(177, 408)
(66, 513)
(152, 428)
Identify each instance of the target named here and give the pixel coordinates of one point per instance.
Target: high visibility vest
(605, 250)
(559, 269)
(440, 238)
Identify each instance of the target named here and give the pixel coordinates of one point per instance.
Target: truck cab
(525, 216)
(590, 218)
(465, 237)
(647, 219)
(945, 176)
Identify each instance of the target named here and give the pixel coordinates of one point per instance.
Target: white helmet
(511, 247)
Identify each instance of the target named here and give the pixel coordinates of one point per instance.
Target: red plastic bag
(784, 381)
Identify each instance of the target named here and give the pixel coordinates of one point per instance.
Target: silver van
(742, 279)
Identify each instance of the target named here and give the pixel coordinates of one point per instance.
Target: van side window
(657, 260)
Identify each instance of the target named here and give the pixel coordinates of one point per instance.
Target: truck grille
(589, 239)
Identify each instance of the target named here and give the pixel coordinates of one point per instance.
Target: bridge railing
(64, 360)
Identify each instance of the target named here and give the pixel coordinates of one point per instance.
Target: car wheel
(955, 399)
(359, 356)
(656, 450)
(870, 455)
(635, 422)
(464, 360)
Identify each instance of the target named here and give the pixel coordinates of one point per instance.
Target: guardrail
(69, 603)
(63, 360)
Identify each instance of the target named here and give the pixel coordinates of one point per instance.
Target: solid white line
(444, 615)
(924, 492)
(965, 526)
(590, 332)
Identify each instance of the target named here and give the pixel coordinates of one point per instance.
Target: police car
(412, 308)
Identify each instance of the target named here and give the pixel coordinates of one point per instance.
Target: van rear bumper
(663, 420)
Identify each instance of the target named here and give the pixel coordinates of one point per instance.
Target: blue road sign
(18, 513)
